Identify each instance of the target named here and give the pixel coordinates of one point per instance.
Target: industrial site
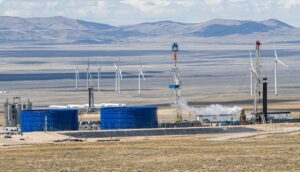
(146, 93)
(132, 115)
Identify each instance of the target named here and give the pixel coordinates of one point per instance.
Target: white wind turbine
(76, 77)
(252, 70)
(99, 76)
(276, 61)
(118, 78)
(88, 75)
(140, 73)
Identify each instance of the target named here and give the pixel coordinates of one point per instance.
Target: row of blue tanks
(112, 118)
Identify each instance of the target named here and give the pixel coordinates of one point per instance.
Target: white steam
(214, 109)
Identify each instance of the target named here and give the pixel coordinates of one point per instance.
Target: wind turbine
(99, 76)
(140, 73)
(252, 70)
(276, 61)
(88, 76)
(76, 77)
(118, 77)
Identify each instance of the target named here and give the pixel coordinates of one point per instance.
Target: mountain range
(62, 30)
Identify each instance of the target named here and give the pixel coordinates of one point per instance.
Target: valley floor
(270, 152)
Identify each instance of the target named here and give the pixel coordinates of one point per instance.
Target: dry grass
(272, 153)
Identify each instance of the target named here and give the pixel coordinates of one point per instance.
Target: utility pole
(176, 85)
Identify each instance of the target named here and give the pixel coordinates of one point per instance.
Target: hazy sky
(122, 12)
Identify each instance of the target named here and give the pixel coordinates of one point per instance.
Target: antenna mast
(176, 86)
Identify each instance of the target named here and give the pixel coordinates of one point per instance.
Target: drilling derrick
(176, 85)
(257, 94)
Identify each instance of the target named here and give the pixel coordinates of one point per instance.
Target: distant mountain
(62, 30)
(221, 27)
(273, 23)
(49, 23)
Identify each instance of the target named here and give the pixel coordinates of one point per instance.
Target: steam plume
(214, 109)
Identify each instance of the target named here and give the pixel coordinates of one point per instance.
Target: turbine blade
(116, 66)
(142, 73)
(282, 63)
(254, 71)
(120, 72)
(276, 56)
(250, 55)
(275, 51)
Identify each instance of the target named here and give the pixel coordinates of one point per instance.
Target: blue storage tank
(50, 120)
(128, 117)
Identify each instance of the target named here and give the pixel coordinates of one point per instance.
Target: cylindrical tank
(49, 120)
(128, 117)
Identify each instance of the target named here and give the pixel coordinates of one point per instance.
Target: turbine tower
(276, 61)
(76, 77)
(90, 86)
(99, 76)
(88, 76)
(118, 78)
(140, 73)
(176, 85)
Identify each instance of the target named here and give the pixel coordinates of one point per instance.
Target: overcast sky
(122, 12)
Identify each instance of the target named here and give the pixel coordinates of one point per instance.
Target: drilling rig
(259, 117)
(176, 85)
